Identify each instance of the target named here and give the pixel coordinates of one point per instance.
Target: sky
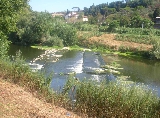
(62, 5)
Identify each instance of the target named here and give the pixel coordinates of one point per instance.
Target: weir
(84, 63)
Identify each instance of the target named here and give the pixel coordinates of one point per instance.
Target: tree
(10, 11)
(34, 27)
(138, 21)
(113, 25)
(145, 3)
(124, 20)
(42, 28)
(86, 11)
(107, 11)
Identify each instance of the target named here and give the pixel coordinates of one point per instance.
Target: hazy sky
(63, 5)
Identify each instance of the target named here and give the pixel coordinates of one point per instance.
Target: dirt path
(15, 102)
(109, 39)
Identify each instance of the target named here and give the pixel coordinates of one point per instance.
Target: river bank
(108, 43)
(15, 102)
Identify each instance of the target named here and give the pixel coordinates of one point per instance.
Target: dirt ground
(15, 102)
(109, 39)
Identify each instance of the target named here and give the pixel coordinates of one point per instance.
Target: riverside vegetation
(95, 99)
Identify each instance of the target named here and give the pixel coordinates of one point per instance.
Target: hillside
(109, 40)
(15, 102)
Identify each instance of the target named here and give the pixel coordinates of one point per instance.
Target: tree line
(128, 13)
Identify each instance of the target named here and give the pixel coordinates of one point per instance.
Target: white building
(85, 18)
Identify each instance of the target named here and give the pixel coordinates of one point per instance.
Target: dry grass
(16, 102)
(109, 40)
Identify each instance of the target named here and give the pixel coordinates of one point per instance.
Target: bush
(112, 26)
(65, 32)
(4, 44)
(103, 28)
(156, 48)
(53, 41)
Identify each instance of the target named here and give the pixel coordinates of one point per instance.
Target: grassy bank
(143, 42)
(125, 44)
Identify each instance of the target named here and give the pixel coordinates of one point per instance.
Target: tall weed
(113, 99)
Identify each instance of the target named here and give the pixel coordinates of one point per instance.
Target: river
(83, 63)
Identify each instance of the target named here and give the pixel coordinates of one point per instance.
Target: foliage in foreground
(114, 99)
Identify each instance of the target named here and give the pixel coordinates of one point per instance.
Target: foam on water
(77, 66)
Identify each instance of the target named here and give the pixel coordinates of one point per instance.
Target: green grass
(76, 47)
(46, 47)
(144, 39)
(138, 31)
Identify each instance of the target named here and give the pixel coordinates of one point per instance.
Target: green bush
(156, 48)
(65, 32)
(103, 28)
(112, 26)
(53, 41)
(4, 44)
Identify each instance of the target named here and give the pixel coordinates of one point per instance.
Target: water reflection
(143, 71)
(28, 53)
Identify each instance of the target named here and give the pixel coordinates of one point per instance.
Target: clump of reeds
(113, 99)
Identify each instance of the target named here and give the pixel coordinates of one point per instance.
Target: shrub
(112, 26)
(65, 32)
(3, 45)
(53, 41)
(156, 48)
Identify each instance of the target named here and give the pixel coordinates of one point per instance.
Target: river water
(83, 63)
